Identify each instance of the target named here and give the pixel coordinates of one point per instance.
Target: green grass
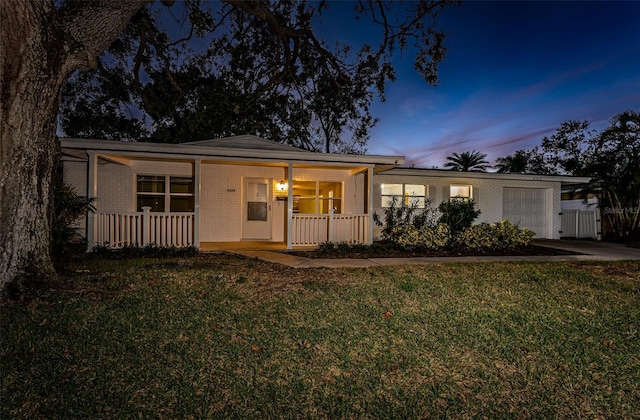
(223, 336)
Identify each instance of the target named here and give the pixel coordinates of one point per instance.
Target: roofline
(189, 150)
(440, 173)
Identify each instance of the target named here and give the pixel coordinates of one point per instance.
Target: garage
(526, 207)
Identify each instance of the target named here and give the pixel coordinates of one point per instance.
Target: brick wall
(488, 194)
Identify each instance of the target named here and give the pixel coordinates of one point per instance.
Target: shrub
(405, 235)
(398, 218)
(435, 238)
(502, 235)
(458, 214)
(430, 237)
(338, 248)
(69, 207)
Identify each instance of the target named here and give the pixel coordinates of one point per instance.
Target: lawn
(225, 336)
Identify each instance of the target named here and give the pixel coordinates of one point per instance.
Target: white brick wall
(221, 198)
(488, 194)
(221, 201)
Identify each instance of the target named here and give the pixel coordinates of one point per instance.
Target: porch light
(281, 186)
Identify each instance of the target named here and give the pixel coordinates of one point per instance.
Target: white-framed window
(404, 194)
(461, 191)
(165, 193)
(317, 197)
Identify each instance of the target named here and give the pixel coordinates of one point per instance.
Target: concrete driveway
(596, 250)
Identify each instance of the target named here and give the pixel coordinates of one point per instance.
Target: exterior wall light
(282, 186)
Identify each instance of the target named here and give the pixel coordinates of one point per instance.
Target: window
(165, 193)
(461, 191)
(317, 197)
(404, 194)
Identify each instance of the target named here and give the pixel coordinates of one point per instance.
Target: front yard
(225, 336)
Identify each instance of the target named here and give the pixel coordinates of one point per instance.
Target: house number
(231, 190)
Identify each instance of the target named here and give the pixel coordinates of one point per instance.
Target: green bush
(458, 214)
(435, 238)
(337, 248)
(69, 207)
(401, 221)
(429, 237)
(502, 235)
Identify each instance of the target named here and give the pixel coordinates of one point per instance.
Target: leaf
(387, 315)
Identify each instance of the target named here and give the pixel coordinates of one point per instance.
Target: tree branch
(91, 26)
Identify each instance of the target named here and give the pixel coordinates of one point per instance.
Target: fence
(314, 229)
(143, 228)
(580, 223)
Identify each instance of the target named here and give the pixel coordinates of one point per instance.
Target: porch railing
(580, 223)
(314, 229)
(117, 229)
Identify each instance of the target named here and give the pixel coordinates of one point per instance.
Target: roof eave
(112, 146)
(439, 173)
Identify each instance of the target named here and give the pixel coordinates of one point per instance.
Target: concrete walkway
(589, 251)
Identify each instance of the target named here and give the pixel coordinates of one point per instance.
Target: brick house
(245, 188)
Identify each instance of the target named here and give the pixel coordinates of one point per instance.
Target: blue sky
(514, 72)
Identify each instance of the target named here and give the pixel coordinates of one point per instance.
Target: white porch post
(196, 210)
(289, 204)
(330, 224)
(146, 226)
(92, 192)
(370, 199)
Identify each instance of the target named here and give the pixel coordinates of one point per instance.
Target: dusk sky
(514, 72)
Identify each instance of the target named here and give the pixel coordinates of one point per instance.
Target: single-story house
(245, 188)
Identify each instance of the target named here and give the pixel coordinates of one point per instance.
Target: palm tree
(467, 162)
(515, 163)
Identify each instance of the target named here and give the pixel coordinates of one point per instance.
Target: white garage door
(526, 208)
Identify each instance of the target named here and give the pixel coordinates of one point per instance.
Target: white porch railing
(314, 229)
(579, 223)
(117, 229)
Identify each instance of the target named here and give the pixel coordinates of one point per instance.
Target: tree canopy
(249, 59)
(523, 162)
(473, 161)
(611, 158)
(202, 70)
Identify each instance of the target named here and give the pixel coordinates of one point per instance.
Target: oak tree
(43, 42)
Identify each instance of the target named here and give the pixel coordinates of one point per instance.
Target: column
(197, 179)
(92, 193)
(289, 203)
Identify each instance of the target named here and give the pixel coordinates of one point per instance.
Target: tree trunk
(40, 45)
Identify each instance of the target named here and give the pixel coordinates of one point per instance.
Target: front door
(256, 217)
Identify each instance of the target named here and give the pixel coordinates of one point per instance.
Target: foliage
(333, 248)
(249, 67)
(430, 237)
(458, 214)
(129, 251)
(523, 162)
(500, 236)
(69, 208)
(397, 217)
(474, 161)
(610, 157)
(231, 337)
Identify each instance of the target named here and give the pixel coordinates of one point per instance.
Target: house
(245, 188)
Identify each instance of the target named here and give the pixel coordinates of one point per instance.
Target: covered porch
(201, 194)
